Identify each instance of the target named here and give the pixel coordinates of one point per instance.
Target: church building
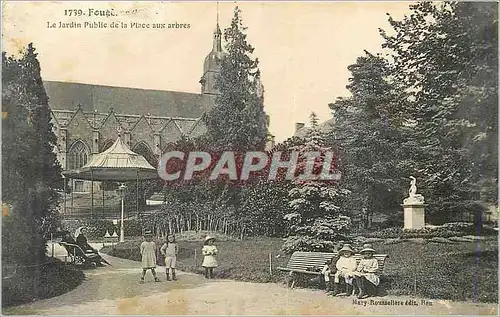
(88, 118)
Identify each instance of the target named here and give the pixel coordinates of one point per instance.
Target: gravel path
(116, 290)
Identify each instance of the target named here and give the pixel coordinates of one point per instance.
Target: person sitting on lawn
(346, 265)
(365, 276)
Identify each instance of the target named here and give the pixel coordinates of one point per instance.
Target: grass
(246, 260)
(51, 279)
(465, 271)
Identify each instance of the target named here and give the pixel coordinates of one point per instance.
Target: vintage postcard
(249, 158)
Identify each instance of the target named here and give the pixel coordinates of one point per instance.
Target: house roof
(67, 96)
(324, 127)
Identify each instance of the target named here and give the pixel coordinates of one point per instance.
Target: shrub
(384, 233)
(96, 228)
(132, 227)
(298, 243)
(17, 235)
(53, 278)
(200, 236)
(445, 231)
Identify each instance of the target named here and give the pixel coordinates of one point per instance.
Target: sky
(304, 48)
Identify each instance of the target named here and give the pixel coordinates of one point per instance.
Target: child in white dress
(367, 279)
(209, 261)
(346, 265)
(170, 249)
(148, 255)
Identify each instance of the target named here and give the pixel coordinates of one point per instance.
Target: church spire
(217, 47)
(212, 64)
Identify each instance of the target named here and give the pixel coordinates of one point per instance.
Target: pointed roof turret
(212, 64)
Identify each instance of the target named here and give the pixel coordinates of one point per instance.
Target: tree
(30, 169)
(446, 55)
(368, 132)
(317, 219)
(238, 120)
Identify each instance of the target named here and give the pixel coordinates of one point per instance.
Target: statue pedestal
(414, 215)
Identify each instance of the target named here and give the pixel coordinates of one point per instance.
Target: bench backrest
(72, 249)
(306, 260)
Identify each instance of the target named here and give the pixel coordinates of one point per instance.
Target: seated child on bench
(325, 272)
(346, 265)
(366, 278)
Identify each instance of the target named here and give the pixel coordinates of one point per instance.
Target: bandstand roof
(118, 163)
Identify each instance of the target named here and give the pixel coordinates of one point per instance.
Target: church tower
(212, 65)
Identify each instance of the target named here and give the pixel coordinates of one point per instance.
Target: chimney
(298, 126)
(270, 142)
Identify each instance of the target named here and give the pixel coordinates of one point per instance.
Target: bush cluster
(96, 228)
(306, 243)
(445, 231)
(193, 235)
(48, 280)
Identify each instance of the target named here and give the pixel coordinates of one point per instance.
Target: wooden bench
(79, 257)
(312, 263)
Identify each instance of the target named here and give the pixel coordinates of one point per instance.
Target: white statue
(413, 186)
(413, 197)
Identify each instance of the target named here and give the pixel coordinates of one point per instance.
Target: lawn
(464, 271)
(246, 260)
(460, 271)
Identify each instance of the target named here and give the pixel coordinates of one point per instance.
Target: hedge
(96, 228)
(447, 230)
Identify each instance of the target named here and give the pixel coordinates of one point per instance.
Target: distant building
(88, 118)
(301, 130)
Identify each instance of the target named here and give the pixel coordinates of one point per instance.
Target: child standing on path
(169, 249)
(148, 254)
(209, 261)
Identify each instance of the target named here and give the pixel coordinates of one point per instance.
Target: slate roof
(126, 121)
(134, 101)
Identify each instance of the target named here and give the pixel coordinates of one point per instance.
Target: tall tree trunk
(242, 234)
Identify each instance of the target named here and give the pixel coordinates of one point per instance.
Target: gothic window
(143, 149)
(170, 146)
(78, 155)
(106, 145)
